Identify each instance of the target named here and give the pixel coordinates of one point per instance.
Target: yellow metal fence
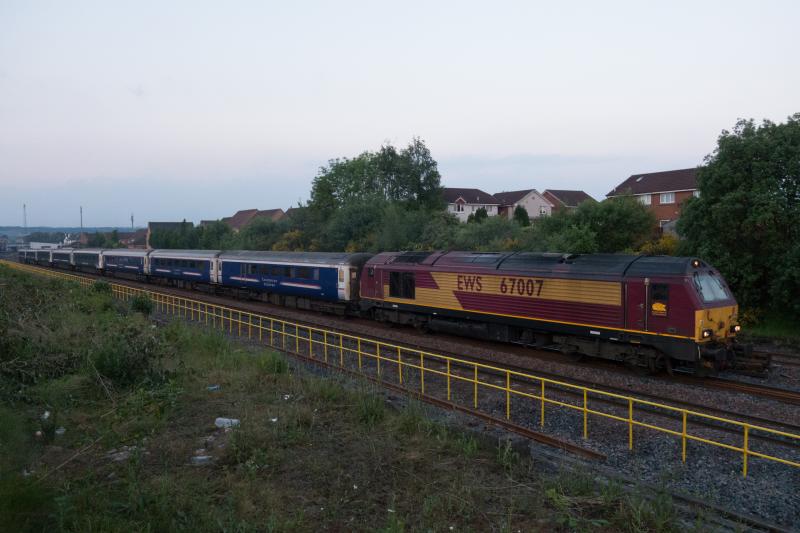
(410, 367)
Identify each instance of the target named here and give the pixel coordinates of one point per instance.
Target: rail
(411, 367)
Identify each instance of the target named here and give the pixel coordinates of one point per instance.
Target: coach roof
(325, 258)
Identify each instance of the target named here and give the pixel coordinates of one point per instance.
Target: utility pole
(81, 219)
(24, 216)
(131, 221)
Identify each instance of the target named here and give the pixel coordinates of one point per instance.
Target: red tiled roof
(511, 197)
(241, 218)
(670, 180)
(470, 196)
(566, 198)
(272, 214)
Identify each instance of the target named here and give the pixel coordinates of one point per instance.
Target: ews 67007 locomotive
(648, 311)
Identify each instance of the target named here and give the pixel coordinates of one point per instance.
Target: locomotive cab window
(402, 285)
(659, 299)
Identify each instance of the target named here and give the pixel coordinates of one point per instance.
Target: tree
(521, 216)
(409, 176)
(746, 221)
(479, 216)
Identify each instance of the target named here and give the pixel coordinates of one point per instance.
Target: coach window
(659, 299)
(401, 285)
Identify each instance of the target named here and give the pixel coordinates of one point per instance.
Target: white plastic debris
(198, 460)
(60, 431)
(287, 396)
(221, 422)
(45, 415)
(212, 388)
(273, 420)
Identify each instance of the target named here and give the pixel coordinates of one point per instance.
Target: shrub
(127, 355)
(101, 286)
(142, 304)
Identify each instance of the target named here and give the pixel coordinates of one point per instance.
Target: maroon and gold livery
(648, 311)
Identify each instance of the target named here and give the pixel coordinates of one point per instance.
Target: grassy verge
(140, 451)
(775, 327)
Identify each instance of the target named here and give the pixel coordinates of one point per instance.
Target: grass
(773, 326)
(311, 452)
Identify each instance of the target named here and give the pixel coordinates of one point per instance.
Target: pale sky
(193, 109)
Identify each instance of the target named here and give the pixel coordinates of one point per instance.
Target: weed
(371, 409)
(468, 445)
(142, 304)
(101, 286)
(24, 504)
(507, 457)
(273, 363)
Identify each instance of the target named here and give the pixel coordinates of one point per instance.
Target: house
(245, 216)
(164, 226)
(662, 192)
(534, 203)
(566, 200)
(134, 239)
(464, 202)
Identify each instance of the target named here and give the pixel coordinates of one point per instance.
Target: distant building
(3, 243)
(662, 192)
(133, 239)
(164, 226)
(534, 203)
(245, 216)
(43, 245)
(562, 199)
(464, 202)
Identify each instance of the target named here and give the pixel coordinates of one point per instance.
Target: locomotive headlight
(707, 333)
(736, 329)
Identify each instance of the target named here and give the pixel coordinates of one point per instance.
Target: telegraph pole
(81, 219)
(131, 221)
(24, 216)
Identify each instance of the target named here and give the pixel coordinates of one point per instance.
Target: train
(649, 312)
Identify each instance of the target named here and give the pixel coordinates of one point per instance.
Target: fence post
(399, 366)
(325, 342)
(378, 357)
(448, 380)
(358, 346)
(422, 372)
(260, 327)
(508, 395)
(630, 423)
(475, 387)
(745, 450)
(541, 397)
(683, 439)
(585, 415)
(341, 350)
(310, 345)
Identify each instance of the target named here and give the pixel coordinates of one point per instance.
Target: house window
(662, 223)
(645, 199)
(542, 211)
(659, 299)
(667, 198)
(696, 194)
(401, 285)
(459, 207)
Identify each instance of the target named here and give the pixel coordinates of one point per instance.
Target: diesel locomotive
(651, 312)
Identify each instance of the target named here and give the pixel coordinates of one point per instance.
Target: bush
(101, 286)
(128, 355)
(142, 304)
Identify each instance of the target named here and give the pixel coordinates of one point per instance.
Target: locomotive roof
(296, 257)
(605, 265)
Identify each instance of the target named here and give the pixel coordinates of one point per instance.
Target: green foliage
(521, 216)
(101, 286)
(142, 303)
(44, 236)
(127, 354)
(478, 216)
(746, 221)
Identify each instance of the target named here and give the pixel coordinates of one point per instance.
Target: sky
(195, 109)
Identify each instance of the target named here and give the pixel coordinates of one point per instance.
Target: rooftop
(669, 180)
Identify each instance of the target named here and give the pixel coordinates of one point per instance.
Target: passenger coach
(313, 280)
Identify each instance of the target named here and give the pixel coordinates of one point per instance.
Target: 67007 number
(521, 286)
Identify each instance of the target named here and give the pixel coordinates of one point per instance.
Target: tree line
(746, 221)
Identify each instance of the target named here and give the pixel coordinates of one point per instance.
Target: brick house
(662, 192)
(534, 203)
(242, 218)
(566, 200)
(464, 202)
